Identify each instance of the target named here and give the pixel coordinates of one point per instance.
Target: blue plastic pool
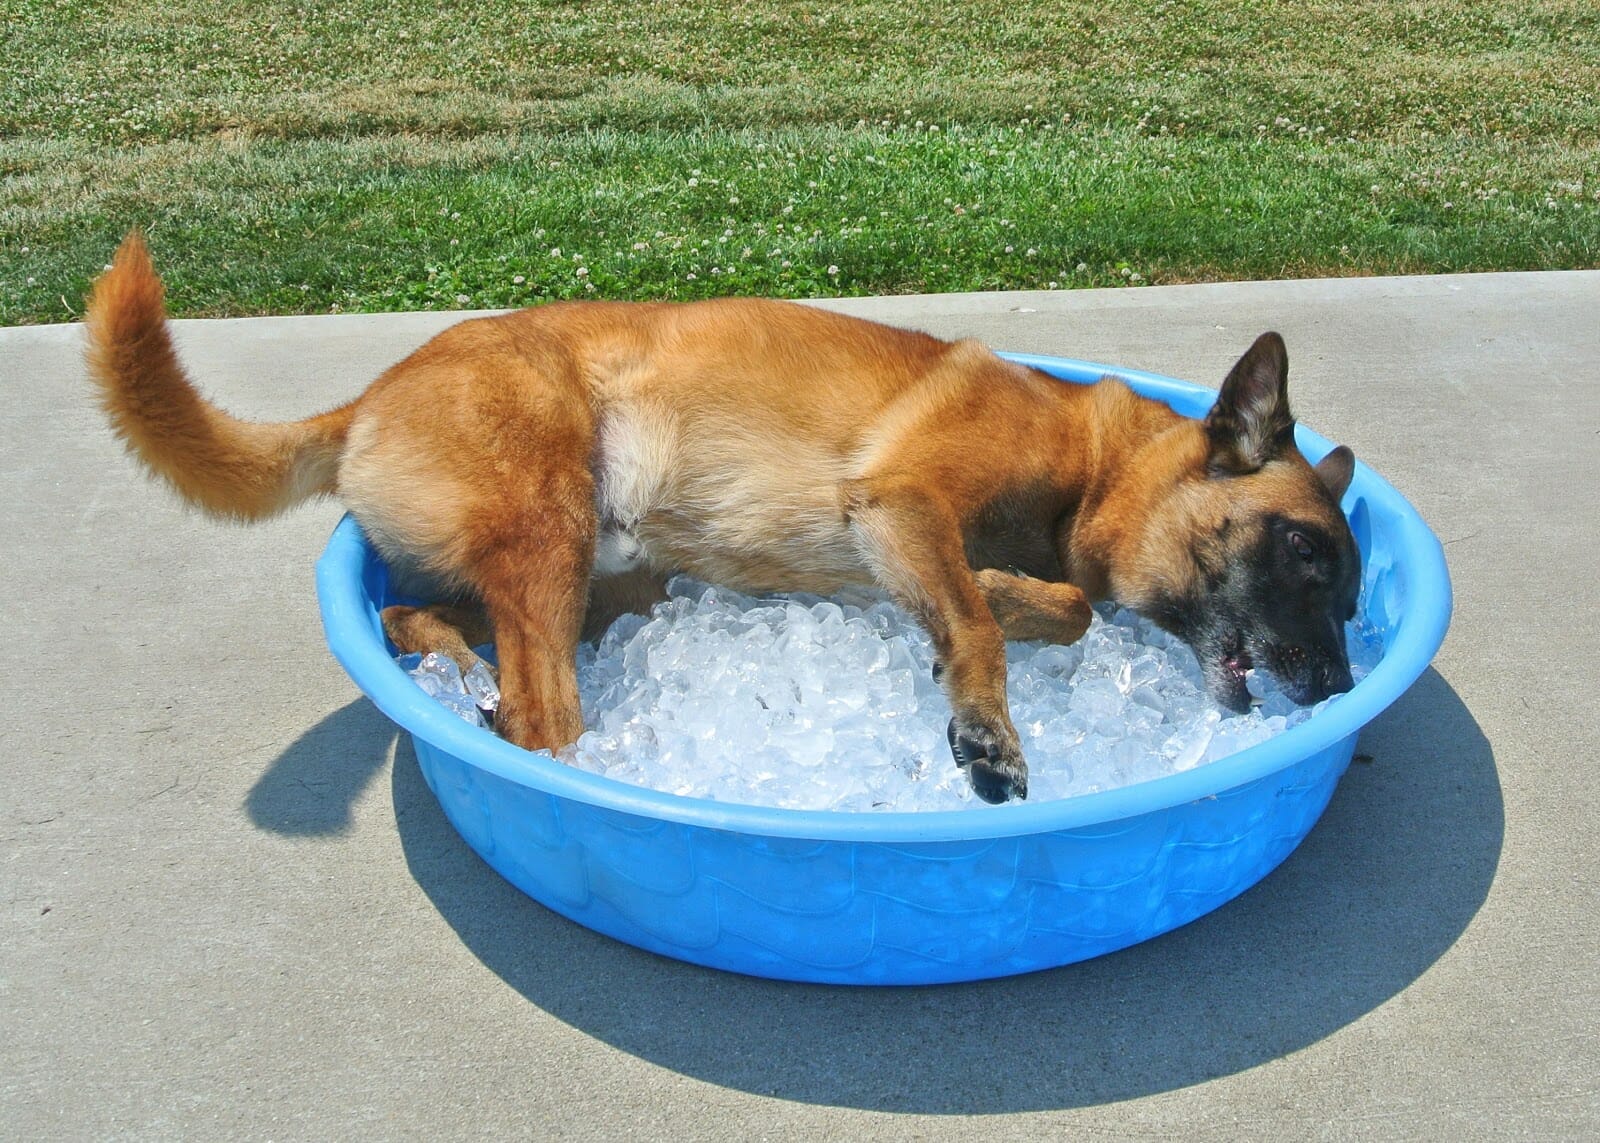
(904, 898)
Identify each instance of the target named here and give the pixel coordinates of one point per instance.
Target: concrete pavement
(232, 908)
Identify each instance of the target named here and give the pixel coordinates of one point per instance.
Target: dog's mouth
(1228, 677)
(1304, 675)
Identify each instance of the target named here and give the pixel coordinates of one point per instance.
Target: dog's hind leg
(470, 462)
(534, 581)
(1029, 608)
(448, 628)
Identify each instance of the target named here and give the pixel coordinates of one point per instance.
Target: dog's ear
(1336, 469)
(1251, 423)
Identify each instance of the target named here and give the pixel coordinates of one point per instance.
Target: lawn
(315, 157)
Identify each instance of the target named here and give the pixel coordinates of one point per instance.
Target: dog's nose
(1311, 673)
(1333, 678)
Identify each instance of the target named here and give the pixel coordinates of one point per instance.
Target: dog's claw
(994, 778)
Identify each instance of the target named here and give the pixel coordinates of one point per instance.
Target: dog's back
(712, 437)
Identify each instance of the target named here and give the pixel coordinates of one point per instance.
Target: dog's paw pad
(996, 786)
(994, 778)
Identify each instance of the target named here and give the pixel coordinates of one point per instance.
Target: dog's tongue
(1237, 663)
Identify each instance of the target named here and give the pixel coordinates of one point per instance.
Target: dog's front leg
(912, 541)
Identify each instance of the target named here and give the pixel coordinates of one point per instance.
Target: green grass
(293, 158)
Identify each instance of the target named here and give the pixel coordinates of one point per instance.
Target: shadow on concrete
(310, 788)
(1388, 880)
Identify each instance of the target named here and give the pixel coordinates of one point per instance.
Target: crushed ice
(830, 704)
(473, 696)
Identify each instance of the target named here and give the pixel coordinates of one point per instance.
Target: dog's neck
(1118, 434)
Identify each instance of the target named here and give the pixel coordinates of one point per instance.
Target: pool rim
(353, 635)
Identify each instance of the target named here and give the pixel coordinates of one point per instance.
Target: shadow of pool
(1387, 881)
(310, 788)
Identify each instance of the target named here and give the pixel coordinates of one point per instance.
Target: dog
(545, 470)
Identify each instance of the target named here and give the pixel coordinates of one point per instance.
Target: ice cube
(438, 675)
(480, 684)
(1097, 698)
(462, 707)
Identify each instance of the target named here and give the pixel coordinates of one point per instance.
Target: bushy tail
(232, 468)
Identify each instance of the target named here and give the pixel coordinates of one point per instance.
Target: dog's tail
(231, 468)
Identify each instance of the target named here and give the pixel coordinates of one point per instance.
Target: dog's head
(1241, 548)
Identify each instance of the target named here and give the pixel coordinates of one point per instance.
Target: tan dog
(549, 468)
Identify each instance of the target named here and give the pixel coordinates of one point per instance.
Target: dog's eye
(1302, 547)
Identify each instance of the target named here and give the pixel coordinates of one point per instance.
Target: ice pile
(830, 704)
(473, 695)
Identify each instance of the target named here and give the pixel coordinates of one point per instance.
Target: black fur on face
(1277, 596)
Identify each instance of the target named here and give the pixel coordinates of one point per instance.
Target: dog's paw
(997, 775)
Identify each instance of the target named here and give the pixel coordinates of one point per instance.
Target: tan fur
(227, 466)
(553, 465)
